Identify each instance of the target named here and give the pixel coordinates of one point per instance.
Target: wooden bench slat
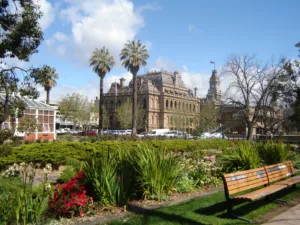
(289, 182)
(244, 188)
(243, 172)
(246, 180)
(261, 193)
(242, 183)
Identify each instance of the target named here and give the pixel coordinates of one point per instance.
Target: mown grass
(207, 210)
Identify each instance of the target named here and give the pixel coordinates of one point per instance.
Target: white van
(159, 132)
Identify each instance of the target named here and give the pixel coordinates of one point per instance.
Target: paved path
(289, 217)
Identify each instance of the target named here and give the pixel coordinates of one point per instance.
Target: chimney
(176, 78)
(195, 91)
(122, 82)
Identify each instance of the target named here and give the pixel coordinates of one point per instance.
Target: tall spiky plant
(133, 56)
(102, 63)
(48, 80)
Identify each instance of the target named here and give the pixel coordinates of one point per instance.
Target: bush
(56, 153)
(70, 198)
(67, 174)
(107, 178)
(5, 150)
(272, 153)
(157, 171)
(243, 157)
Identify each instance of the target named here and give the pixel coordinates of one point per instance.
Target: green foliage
(5, 134)
(67, 174)
(23, 205)
(243, 157)
(106, 179)
(5, 150)
(271, 152)
(29, 125)
(124, 115)
(157, 171)
(57, 153)
(75, 107)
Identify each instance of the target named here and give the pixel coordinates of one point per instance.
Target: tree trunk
(48, 96)
(134, 105)
(100, 131)
(249, 130)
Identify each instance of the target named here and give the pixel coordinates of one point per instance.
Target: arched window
(144, 103)
(157, 105)
(187, 106)
(153, 105)
(106, 104)
(194, 108)
(112, 104)
(190, 107)
(175, 104)
(171, 104)
(167, 103)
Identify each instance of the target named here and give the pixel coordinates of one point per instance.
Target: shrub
(56, 153)
(271, 152)
(157, 171)
(23, 205)
(243, 157)
(5, 150)
(107, 178)
(67, 174)
(70, 198)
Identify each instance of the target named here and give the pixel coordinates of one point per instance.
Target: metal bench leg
(277, 200)
(232, 215)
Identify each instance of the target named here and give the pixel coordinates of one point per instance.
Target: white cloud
(165, 64)
(48, 13)
(95, 24)
(192, 28)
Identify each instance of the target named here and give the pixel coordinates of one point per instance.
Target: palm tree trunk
(134, 105)
(100, 131)
(48, 96)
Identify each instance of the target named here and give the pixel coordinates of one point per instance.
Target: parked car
(143, 134)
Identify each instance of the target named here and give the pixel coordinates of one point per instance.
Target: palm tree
(102, 63)
(133, 56)
(48, 80)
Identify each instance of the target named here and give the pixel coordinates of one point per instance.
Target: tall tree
(133, 56)
(49, 80)
(124, 115)
(250, 84)
(20, 37)
(75, 107)
(102, 63)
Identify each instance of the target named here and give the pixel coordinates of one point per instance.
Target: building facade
(166, 101)
(44, 114)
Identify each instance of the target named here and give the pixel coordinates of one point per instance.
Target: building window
(153, 121)
(46, 127)
(179, 106)
(194, 108)
(157, 121)
(153, 105)
(175, 104)
(167, 103)
(6, 125)
(190, 107)
(157, 105)
(112, 104)
(144, 103)
(120, 102)
(106, 104)
(171, 104)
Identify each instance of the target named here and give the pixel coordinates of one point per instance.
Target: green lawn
(206, 210)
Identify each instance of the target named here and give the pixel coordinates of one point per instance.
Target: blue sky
(180, 35)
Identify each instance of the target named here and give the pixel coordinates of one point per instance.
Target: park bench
(264, 180)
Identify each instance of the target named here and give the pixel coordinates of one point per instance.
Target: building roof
(147, 86)
(31, 103)
(159, 78)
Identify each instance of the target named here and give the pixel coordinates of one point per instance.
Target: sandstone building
(166, 101)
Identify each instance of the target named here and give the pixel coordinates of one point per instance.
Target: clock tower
(214, 92)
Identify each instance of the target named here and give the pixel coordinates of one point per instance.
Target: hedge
(57, 153)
